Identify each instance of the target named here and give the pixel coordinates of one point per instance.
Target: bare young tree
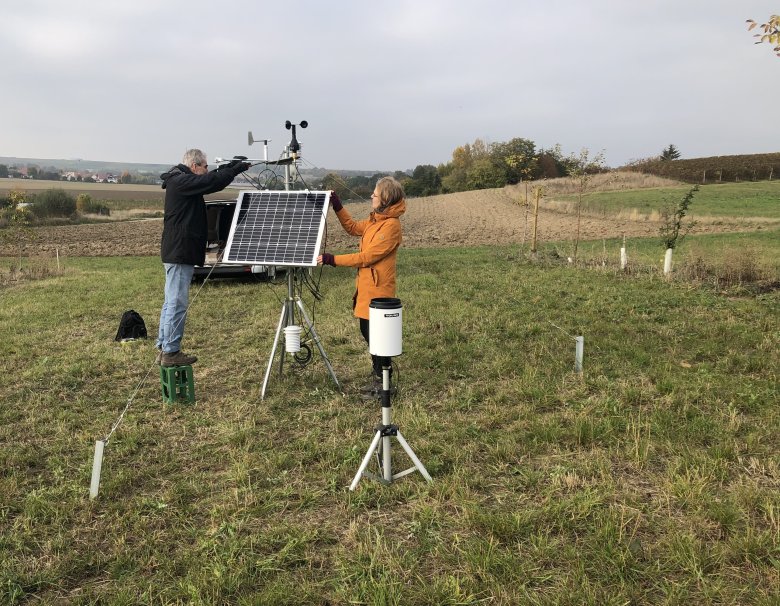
(583, 167)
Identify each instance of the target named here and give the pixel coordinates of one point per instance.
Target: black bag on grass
(131, 326)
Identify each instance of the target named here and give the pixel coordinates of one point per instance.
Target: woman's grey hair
(390, 192)
(193, 156)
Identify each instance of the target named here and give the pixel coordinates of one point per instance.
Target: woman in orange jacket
(380, 239)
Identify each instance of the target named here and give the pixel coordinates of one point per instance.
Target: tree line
(477, 165)
(715, 169)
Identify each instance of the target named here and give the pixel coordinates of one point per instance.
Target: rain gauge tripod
(384, 328)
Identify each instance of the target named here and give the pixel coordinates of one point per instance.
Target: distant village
(96, 177)
(53, 174)
(32, 171)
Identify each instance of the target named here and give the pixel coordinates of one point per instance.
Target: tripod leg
(387, 421)
(366, 460)
(387, 468)
(417, 463)
(273, 351)
(314, 334)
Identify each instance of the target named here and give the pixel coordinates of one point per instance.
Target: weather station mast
(293, 305)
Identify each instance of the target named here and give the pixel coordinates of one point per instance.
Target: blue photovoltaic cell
(277, 228)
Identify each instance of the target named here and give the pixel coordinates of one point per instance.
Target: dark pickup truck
(220, 217)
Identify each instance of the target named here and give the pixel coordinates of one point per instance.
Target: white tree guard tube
(97, 464)
(668, 262)
(579, 351)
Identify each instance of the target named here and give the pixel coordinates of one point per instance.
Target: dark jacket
(185, 227)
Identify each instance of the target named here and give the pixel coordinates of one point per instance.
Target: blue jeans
(174, 309)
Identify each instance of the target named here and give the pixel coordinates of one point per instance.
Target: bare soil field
(476, 218)
(97, 191)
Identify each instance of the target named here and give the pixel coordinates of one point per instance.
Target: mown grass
(651, 479)
(740, 259)
(741, 200)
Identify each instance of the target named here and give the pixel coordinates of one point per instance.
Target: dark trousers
(377, 362)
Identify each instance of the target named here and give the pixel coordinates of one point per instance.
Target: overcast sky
(384, 85)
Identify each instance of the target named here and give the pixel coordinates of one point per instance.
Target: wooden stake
(537, 195)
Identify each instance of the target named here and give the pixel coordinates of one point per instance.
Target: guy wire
(300, 176)
(563, 331)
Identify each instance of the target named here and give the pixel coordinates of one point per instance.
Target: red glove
(327, 258)
(335, 202)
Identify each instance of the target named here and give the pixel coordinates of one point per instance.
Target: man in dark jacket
(185, 230)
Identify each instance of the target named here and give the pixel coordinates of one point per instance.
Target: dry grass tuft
(14, 270)
(735, 267)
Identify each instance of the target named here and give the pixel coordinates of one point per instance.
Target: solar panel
(277, 228)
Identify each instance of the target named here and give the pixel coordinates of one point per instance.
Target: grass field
(755, 254)
(743, 200)
(654, 478)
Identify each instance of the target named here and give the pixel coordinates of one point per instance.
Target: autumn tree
(770, 32)
(455, 178)
(485, 173)
(518, 157)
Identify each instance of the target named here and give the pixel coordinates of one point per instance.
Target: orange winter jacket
(381, 237)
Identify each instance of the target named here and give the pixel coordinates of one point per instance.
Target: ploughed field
(475, 218)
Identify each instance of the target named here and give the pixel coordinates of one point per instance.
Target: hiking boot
(177, 358)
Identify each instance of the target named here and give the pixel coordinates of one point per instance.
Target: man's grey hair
(193, 156)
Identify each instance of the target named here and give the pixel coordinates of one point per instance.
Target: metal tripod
(384, 433)
(288, 319)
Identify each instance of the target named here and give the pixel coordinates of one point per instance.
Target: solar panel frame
(282, 228)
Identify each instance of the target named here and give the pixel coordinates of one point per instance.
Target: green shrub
(86, 205)
(673, 231)
(54, 203)
(83, 202)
